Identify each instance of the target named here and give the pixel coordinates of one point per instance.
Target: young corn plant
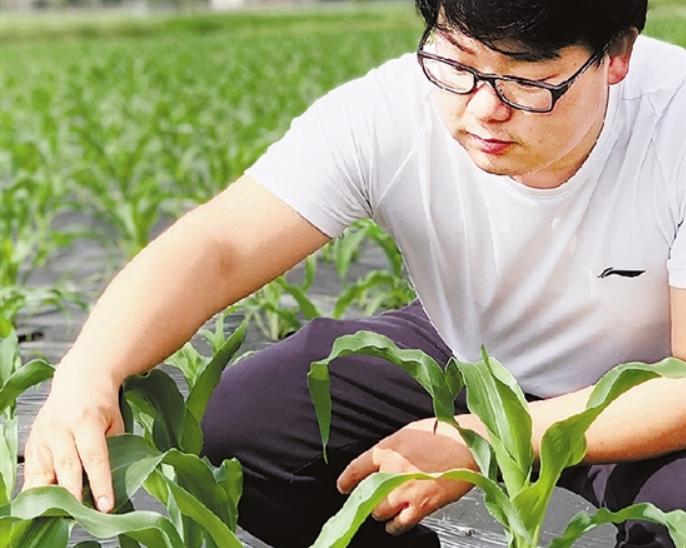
(273, 317)
(15, 378)
(28, 239)
(346, 249)
(201, 499)
(517, 503)
(378, 289)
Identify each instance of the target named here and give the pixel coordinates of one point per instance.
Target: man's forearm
(646, 421)
(152, 306)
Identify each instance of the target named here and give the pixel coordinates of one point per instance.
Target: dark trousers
(261, 413)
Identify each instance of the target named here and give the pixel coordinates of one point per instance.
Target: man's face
(537, 149)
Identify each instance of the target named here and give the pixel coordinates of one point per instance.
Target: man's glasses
(519, 93)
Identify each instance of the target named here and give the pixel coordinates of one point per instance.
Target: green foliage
(493, 395)
(202, 500)
(125, 135)
(269, 310)
(15, 378)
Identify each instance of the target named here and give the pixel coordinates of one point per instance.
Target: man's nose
(485, 104)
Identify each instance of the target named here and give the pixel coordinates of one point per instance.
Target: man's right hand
(69, 436)
(211, 258)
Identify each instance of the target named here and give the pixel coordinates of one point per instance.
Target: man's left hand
(413, 448)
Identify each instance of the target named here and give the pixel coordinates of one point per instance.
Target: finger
(117, 427)
(385, 510)
(358, 469)
(406, 519)
(92, 447)
(68, 465)
(397, 499)
(38, 467)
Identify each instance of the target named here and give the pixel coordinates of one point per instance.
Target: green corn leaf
(346, 248)
(229, 476)
(8, 350)
(126, 412)
(453, 377)
(8, 458)
(208, 379)
(196, 492)
(306, 306)
(416, 363)
(494, 396)
(160, 391)
(126, 542)
(481, 451)
(319, 385)
(340, 529)
(374, 303)
(142, 412)
(375, 278)
(564, 443)
(42, 532)
(386, 242)
(191, 439)
(582, 523)
(132, 460)
(195, 477)
(191, 507)
(310, 272)
(91, 544)
(216, 339)
(12, 529)
(480, 448)
(34, 372)
(189, 361)
(156, 487)
(148, 528)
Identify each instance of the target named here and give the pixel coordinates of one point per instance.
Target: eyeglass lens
(463, 81)
(515, 93)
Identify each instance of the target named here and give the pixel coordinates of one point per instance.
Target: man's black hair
(537, 29)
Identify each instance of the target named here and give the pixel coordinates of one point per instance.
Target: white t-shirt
(559, 284)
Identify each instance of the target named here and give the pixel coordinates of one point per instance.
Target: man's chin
(496, 164)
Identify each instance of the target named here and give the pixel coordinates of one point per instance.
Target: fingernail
(104, 504)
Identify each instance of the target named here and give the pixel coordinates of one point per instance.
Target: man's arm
(646, 421)
(209, 259)
(215, 255)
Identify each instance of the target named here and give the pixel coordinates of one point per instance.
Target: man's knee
(259, 390)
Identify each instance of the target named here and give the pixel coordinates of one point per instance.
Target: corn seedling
(270, 310)
(201, 500)
(517, 503)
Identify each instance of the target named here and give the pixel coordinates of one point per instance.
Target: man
(536, 186)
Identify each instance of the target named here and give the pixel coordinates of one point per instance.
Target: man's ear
(620, 54)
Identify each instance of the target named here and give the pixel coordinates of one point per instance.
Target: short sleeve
(336, 160)
(320, 166)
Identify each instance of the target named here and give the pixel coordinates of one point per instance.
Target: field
(116, 124)
(113, 125)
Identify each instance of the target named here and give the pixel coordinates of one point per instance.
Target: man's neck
(554, 175)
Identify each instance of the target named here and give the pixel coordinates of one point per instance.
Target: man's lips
(490, 145)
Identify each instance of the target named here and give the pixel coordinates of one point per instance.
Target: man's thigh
(262, 408)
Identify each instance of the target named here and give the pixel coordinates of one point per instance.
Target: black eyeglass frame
(556, 90)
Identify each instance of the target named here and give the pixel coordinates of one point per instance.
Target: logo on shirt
(623, 273)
